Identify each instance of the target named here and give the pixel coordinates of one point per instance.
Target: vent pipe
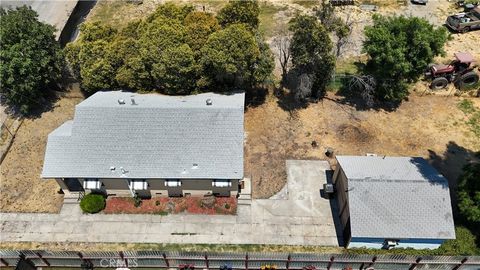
(121, 101)
(209, 102)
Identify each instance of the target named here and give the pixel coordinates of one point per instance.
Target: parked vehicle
(463, 3)
(465, 21)
(460, 71)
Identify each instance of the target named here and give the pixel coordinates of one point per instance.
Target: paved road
(302, 218)
(53, 12)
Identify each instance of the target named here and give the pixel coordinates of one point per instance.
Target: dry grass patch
(429, 126)
(21, 188)
(86, 247)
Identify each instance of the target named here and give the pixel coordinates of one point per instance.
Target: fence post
(246, 261)
(123, 258)
(373, 261)
(414, 265)
(461, 263)
(43, 259)
(165, 259)
(289, 258)
(4, 263)
(330, 263)
(86, 262)
(206, 261)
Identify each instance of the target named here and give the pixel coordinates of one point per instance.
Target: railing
(234, 261)
(81, 194)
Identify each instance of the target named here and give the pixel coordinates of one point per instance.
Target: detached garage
(388, 202)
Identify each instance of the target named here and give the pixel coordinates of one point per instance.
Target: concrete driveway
(299, 217)
(300, 203)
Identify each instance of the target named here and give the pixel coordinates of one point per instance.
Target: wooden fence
(232, 261)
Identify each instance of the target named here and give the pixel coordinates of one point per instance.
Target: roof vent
(209, 102)
(121, 101)
(133, 101)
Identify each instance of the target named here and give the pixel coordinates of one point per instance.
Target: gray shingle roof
(397, 197)
(159, 137)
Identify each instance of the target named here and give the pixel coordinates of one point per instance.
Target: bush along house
(127, 144)
(392, 202)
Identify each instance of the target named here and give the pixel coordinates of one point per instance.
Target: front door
(73, 184)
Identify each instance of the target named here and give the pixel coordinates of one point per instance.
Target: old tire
(465, 30)
(439, 83)
(467, 80)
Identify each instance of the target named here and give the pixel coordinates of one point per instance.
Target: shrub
(464, 244)
(137, 201)
(157, 203)
(92, 203)
(227, 206)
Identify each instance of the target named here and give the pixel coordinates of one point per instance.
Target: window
(138, 184)
(173, 183)
(221, 183)
(91, 183)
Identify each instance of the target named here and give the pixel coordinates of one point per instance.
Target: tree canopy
(240, 11)
(311, 52)
(175, 50)
(400, 48)
(469, 193)
(30, 58)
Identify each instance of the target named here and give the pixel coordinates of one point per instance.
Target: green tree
(176, 71)
(311, 52)
(469, 193)
(399, 49)
(199, 26)
(240, 11)
(229, 56)
(171, 11)
(265, 62)
(30, 58)
(175, 51)
(91, 59)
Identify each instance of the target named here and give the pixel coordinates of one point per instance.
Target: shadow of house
(335, 209)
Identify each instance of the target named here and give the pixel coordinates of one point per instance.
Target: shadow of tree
(256, 96)
(286, 95)
(429, 172)
(44, 103)
(451, 163)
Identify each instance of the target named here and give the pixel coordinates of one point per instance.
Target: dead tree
(365, 84)
(282, 45)
(343, 34)
(304, 87)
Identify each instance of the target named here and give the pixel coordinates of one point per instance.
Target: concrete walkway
(302, 218)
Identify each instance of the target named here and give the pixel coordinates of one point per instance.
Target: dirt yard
(428, 126)
(21, 188)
